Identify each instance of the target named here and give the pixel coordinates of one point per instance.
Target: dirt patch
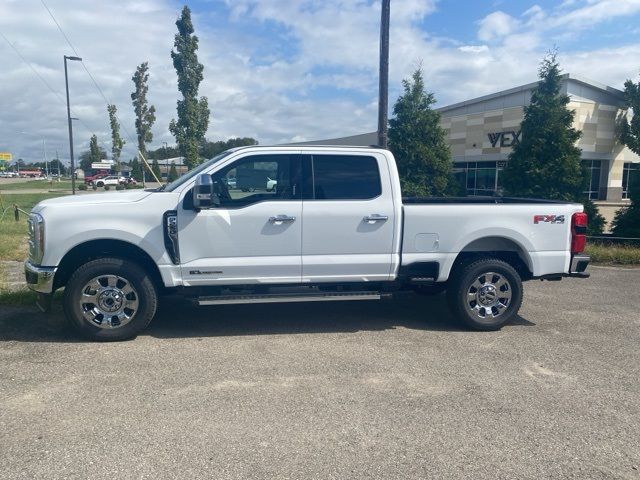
(12, 276)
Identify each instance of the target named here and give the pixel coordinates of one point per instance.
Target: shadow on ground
(177, 318)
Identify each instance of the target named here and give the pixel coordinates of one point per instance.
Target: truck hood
(93, 199)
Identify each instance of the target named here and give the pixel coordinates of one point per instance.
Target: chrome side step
(289, 298)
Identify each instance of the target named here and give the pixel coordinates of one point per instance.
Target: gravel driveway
(350, 390)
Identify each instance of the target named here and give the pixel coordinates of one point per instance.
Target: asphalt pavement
(347, 390)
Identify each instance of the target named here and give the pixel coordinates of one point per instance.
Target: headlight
(36, 238)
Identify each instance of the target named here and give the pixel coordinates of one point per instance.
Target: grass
(613, 255)
(36, 185)
(13, 235)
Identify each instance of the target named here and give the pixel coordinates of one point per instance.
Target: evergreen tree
(193, 114)
(116, 140)
(145, 114)
(418, 142)
(546, 163)
(155, 168)
(626, 222)
(173, 172)
(93, 155)
(136, 169)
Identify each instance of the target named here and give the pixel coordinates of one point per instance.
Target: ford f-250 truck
(333, 227)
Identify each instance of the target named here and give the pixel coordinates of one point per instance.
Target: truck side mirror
(203, 194)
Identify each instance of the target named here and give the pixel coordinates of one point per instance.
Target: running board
(289, 298)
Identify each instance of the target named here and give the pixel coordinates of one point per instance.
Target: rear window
(345, 177)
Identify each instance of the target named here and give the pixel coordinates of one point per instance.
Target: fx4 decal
(548, 219)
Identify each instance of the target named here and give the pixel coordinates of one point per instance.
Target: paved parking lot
(352, 390)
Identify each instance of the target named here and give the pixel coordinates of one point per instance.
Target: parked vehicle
(271, 184)
(336, 228)
(110, 180)
(92, 178)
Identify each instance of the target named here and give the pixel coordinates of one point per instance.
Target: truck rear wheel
(485, 294)
(110, 299)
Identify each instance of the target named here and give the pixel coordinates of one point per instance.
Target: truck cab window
(256, 179)
(345, 177)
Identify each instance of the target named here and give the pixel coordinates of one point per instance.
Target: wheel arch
(94, 249)
(499, 247)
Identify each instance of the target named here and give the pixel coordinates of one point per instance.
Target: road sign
(106, 165)
(5, 157)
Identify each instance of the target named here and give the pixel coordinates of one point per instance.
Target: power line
(126, 131)
(85, 67)
(15, 49)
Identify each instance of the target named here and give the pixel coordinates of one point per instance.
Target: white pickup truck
(333, 227)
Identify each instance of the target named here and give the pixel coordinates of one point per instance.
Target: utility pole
(44, 155)
(383, 88)
(166, 161)
(66, 83)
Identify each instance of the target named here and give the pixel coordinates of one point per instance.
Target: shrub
(596, 220)
(119, 187)
(626, 223)
(107, 188)
(82, 187)
(95, 187)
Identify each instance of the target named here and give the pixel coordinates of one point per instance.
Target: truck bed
(479, 200)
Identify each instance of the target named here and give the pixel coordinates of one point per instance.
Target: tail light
(579, 223)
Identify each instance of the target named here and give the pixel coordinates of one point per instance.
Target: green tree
(418, 142)
(145, 114)
(93, 155)
(173, 172)
(155, 168)
(546, 163)
(626, 222)
(193, 114)
(136, 169)
(116, 140)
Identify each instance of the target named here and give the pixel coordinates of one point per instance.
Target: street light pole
(383, 87)
(66, 83)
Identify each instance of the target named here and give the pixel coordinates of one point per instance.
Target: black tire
(126, 273)
(100, 184)
(495, 303)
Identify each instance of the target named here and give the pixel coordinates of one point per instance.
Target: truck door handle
(279, 219)
(375, 218)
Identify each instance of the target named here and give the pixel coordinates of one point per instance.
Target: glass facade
(483, 178)
(626, 175)
(595, 171)
(479, 178)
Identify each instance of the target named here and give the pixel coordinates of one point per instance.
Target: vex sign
(507, 139)
(548, 219)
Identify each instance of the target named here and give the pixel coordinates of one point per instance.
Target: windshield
(170, 187)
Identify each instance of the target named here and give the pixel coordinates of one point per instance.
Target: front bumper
(39, 279)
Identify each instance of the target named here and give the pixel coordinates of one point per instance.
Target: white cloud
(269, 91)
(496, 25)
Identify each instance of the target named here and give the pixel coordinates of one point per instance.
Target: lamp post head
(77, 59)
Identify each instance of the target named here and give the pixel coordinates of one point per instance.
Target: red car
(89, 180)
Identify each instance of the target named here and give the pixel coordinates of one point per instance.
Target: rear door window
(345, 177)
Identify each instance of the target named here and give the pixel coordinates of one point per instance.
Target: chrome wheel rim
(489, 296)
(109, 301)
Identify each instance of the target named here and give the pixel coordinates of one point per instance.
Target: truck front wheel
(110, 299)
(485, 294)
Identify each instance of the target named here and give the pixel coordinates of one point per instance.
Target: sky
(285, 70)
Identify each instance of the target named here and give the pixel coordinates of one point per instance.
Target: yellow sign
(5, 157)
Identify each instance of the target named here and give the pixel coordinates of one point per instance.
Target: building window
(479, 178)
(595, 169)
(626, 176)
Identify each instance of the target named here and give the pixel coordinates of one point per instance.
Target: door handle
(375, 218)
(279, 219)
